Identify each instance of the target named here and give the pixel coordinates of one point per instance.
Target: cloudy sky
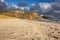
(43, 7)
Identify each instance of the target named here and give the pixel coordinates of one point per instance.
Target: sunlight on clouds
(2, 0)
(15, 6)
(22, 8)
(6, 3)
(45, 5)
(33, 4)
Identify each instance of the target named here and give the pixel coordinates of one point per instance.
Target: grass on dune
(6, 17)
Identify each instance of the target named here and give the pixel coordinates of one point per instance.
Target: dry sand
(19, 29)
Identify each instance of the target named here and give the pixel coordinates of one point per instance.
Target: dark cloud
(35, 8)
(3, 6)
(22, 4)
(41, 7)
(56, 6)
(57, 1)
(52, 9)
(55, 11)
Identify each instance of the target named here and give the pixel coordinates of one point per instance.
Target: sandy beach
(22, 29)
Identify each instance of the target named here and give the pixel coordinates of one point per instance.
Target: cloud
(57, 11)
(22, 8)
(3, 5)
(22, 4)
(56, 6)
(2, 0)
(13, 8)
(27, 9)
(33, 4)
(45, 5)
(57, 1)
(41, 7)
(35, 8)
(52, 9)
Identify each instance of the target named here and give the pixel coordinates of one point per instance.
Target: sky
(29, 2)
(43, 7)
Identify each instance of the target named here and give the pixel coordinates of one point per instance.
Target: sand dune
(19, 29)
